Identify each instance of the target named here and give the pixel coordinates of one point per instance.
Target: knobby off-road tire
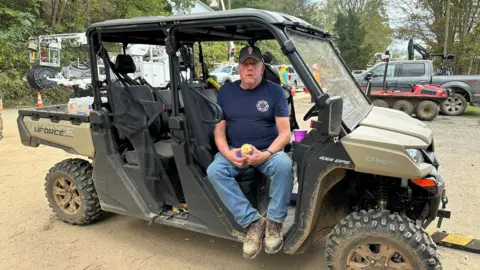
(404, 106)
(454, 106)
(71, 194)
(426, 110)
(380, 103)
(353, 238)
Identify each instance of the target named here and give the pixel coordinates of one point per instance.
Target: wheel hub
(453, 104)
(376, 257)
(66, 196)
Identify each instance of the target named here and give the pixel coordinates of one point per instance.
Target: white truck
(226, 73)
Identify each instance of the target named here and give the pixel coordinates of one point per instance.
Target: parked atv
(423, 101)
(368, 181)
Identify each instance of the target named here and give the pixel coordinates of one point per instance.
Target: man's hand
(257, 157)
(231, 156)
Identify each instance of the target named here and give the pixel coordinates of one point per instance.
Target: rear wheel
(70, 192)
(380, 103)
(454, 105)
(404, 106)
(380, 240)
(427, 110)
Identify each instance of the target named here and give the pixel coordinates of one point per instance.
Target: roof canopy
(228, 25)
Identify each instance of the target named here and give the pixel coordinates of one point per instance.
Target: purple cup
(299, 134)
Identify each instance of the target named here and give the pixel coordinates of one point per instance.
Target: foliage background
(360, 29)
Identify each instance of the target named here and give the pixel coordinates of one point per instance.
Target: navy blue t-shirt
(250, 114)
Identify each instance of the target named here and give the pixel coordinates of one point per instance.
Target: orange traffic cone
(39, 100)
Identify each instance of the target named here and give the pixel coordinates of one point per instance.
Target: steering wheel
(311, 112)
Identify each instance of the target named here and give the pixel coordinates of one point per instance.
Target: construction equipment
(447, 59)
(45, 57)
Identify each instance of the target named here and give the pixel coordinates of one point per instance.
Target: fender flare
(461, 85)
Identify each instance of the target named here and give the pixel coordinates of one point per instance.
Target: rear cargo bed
(54, 126)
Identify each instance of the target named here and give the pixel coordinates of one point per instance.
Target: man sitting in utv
(255, 112)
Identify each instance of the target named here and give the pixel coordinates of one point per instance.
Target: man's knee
(212, 171)
(217, 169)
(282, 163)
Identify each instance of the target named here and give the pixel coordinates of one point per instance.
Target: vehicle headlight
(416, 155)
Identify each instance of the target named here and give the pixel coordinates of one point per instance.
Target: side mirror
(331, 117)
(368, 76)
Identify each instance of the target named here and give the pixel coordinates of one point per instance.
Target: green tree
(427, 20)
(349, 36)
(372, 16)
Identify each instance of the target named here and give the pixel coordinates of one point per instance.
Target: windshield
(331, 75)
(222, 69)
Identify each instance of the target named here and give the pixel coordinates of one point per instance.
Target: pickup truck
(226, 74)
(402, 74)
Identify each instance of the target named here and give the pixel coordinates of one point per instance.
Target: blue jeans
(278, 167)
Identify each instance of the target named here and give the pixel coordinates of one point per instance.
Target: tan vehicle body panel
(64, 133)
(378, 145)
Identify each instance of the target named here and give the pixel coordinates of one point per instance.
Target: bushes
(17, 92)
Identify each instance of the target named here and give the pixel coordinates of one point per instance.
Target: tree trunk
(54, 12)
(62, 10)
(470, 67)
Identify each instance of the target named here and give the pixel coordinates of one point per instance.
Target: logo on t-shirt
(262, 106)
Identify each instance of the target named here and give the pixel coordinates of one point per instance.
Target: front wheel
(380, 240)
(454, 105)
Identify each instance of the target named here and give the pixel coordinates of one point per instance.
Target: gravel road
(31, 237)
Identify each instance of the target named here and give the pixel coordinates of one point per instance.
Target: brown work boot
(253, 240)
(273, 237)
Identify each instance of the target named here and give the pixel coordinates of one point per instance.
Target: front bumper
(435, 209)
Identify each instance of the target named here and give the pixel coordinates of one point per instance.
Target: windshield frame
(343, 64)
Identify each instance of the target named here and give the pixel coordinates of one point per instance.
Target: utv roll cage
(178, 34)
(232, 25)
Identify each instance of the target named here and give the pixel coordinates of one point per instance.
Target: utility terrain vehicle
(421, 100)
(368, 183)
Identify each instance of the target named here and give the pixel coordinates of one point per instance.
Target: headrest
(124, 64)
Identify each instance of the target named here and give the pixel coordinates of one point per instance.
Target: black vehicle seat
(166, 94)
(124, 64)
(204, 132)
(145, 94)
(163, 149)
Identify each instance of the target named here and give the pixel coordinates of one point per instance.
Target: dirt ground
(31, 237)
